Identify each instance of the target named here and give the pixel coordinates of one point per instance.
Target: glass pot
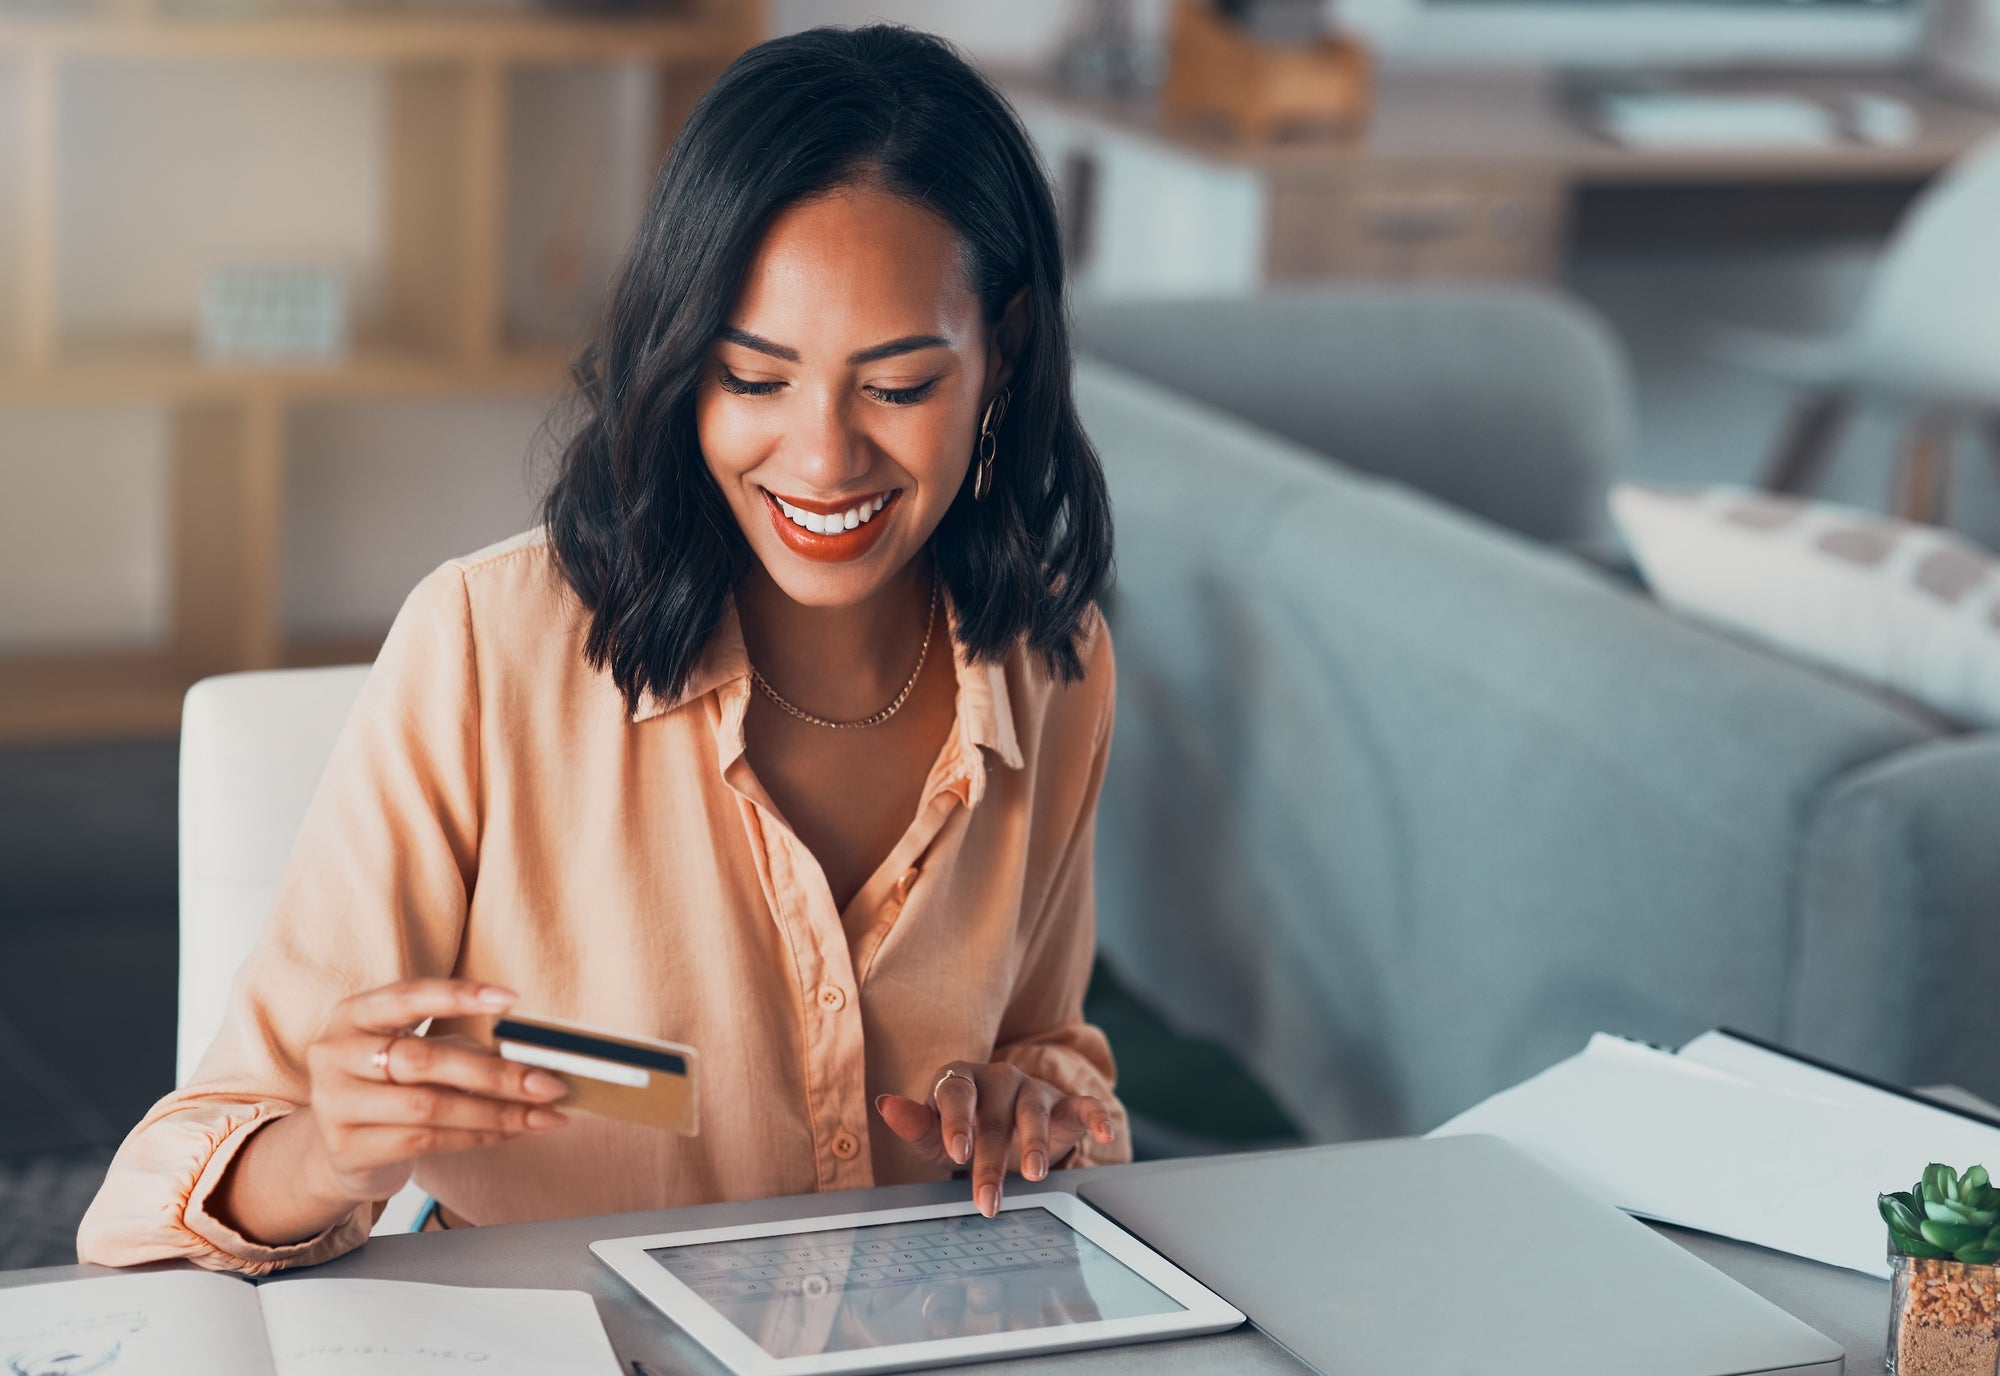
(1944, 1317)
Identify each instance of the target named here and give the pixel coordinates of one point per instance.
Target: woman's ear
(1005, 341)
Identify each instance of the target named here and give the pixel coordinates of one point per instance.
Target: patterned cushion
(1905, 607)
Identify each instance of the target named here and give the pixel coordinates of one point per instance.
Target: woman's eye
(743, 387)
(904, 396)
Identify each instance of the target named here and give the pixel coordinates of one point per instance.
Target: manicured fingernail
(961, 1147)
(989, 1200)
(493, 996)
(880, 1100)
(1034, 1167)
(542, 1118)
(548, 1086)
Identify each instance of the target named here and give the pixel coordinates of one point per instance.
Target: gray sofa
(1509, 403)
(1404, 806)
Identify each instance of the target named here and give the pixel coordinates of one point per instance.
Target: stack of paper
(1713, 119)
(1735, 1139)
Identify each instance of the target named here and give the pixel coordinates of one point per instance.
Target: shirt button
(844, 1145)
(833, 997)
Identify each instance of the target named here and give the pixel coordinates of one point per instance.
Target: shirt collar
(724, 661)
(985, 709)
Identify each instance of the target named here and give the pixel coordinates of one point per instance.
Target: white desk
(1851, 1309)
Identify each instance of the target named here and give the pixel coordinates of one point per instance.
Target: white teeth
(835, 523)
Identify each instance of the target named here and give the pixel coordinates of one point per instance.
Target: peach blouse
(492, 811)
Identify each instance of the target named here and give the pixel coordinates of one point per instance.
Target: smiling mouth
(821, 522)
(832, 536)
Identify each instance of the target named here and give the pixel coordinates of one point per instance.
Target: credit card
(635, 1079)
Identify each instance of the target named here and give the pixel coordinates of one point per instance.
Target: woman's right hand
(433, 1094)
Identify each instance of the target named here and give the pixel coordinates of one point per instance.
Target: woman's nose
(828, 452)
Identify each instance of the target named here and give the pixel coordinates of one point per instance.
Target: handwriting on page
(73, 1345)
(394, 1328)
(350, 1354)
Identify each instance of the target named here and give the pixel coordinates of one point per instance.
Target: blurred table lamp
(1265, 68)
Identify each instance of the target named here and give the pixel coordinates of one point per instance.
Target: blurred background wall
(287, 162)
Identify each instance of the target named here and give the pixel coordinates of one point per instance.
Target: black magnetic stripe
(509, 1030)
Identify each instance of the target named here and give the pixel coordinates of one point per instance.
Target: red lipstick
(832, 547)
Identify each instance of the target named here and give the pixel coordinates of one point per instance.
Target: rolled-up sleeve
(1043, 1031)
(375, 891)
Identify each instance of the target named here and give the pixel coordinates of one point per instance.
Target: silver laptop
(1451, 1256)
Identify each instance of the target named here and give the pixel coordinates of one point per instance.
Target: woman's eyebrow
(908, 344)
(730, 334)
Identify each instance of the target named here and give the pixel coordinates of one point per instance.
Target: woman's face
(843, 397)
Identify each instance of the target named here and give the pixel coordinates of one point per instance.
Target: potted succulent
(1944, 1238)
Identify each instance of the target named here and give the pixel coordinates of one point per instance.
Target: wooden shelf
(312, 652)
(450, 105)
(513, 40)
(171, 370)
(127, 694)
(68, 697)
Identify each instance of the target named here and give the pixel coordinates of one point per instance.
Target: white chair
(1927, 337)
(253, 747)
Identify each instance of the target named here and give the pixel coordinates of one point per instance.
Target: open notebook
(1735, 1137)
(188, 1323)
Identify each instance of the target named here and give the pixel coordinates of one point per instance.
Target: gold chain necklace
(930, 622)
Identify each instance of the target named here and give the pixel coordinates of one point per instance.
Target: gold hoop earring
(988, 445)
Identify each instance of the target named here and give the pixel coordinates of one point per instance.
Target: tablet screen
(801, 1294)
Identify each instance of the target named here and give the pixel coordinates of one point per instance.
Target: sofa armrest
(1511, 403)
(1899, 918)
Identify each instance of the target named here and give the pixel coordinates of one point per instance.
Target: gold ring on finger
(380, 1060)
(940, 1084)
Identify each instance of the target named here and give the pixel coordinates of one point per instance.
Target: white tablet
(894, 1289)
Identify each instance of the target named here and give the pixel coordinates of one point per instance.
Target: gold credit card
(635, 1079)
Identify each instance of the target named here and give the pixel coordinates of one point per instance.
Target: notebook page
(1774, 1070)
(401, 1328)
(172, 1323)
(1673, 1140)
(1721, 1051)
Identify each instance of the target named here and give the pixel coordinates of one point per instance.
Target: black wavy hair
(639, 528)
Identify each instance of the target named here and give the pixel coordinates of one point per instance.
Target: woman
(782, 738)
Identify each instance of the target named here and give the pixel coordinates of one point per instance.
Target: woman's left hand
(996, 1117)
